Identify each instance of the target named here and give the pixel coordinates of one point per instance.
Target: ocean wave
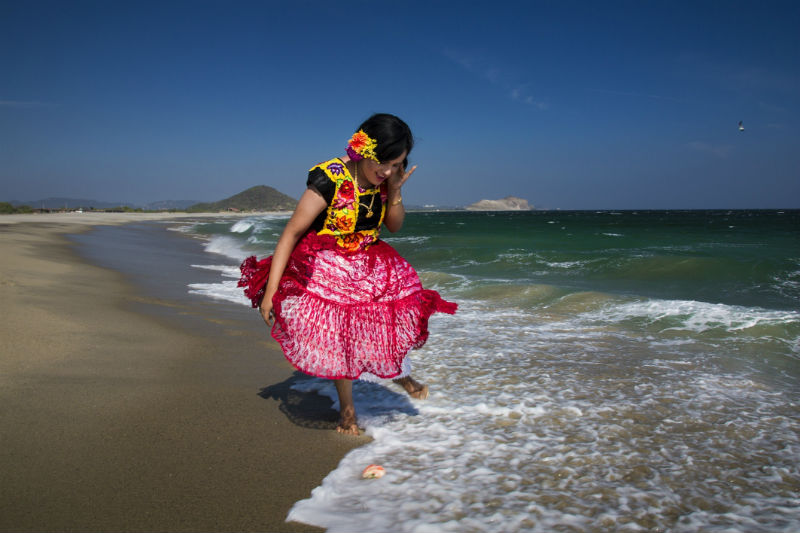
(528, 431)
(227, 246)
(224, 290)
(226, 270)
(261, 224)
(509, 294)
(242, 226)
(699, 316)
(409, 239)
(186, 228)
(567, 265)
(444, 280)
(752, 334)
(787, 283)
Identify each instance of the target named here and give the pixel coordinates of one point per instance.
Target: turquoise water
(740, 258)
(606, 371)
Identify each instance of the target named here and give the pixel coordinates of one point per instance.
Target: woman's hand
(267, 313)
(395, 212)
(399, 178)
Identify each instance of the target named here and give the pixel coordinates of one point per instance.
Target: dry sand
(121, 412)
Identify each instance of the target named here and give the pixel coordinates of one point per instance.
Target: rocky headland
(509, 203)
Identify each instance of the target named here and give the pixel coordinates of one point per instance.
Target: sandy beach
(120, 411)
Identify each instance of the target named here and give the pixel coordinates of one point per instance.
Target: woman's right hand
(267, 313)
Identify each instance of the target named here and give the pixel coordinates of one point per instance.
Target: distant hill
(509, 203)
(258, 198)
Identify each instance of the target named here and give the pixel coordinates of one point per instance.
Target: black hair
(392, 135)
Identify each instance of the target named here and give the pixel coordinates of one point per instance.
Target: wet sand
(121, 411)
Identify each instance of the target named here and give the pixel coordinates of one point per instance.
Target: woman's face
(377, 173)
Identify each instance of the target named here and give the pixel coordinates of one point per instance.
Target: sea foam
(533, 426)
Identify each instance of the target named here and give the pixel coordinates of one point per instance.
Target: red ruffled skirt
(340, 314)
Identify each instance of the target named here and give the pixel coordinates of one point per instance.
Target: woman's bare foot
(347, 409)
(344, 429)
(414, 388)
(347, 423)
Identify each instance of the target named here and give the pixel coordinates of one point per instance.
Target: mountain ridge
(258, 198)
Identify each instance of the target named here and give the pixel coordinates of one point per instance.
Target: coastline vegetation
(8, 209)
(259, 198)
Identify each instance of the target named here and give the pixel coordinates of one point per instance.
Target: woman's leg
(347, 409)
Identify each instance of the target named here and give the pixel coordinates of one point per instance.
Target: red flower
(345, 196)
(346, 190)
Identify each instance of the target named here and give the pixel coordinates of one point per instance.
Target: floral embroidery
(367, 240)
(350, 242)
(339, 223)
(353, 242)
(362, 145)
(342, 213)
(336, 168)
(345, 196)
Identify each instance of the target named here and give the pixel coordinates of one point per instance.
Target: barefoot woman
(341, 302)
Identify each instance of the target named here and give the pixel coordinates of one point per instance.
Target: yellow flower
(362, 145)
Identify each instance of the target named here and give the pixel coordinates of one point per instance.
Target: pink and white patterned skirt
(340, 314)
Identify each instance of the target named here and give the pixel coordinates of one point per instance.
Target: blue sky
(571, 105)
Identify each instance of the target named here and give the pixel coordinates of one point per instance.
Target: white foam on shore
(535, 425)
(226, 270)
(227, 291)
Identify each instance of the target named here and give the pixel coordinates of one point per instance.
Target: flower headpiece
(362, 145)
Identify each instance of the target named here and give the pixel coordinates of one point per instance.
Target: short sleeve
(320, 182)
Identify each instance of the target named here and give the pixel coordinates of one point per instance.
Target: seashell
(373, 472)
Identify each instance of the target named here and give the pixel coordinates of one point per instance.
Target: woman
(342, 303)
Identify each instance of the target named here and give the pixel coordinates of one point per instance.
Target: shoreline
(124, 411)
(103, 218)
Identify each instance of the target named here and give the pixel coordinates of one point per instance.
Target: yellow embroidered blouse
(354, 215)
